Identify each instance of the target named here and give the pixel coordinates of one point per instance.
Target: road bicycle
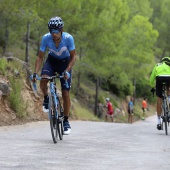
(56, 112)
(164, 80)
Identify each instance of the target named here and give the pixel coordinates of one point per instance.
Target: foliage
(3, 65)
(16, 84)
(161, 22)
(116, 41)
(81, 112)
(15, 98)
(143, 90)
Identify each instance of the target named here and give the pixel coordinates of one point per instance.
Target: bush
(143, 90)
(120, 85)
(15, 98)
(3, 65)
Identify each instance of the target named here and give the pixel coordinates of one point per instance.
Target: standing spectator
(130, 111)
(144, 106)
(110, 110)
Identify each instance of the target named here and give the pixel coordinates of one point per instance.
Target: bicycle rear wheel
(166, 125)
(60, 120)
(53, 120)
(165, 119)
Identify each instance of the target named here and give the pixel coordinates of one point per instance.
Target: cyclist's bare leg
(66, 102)
(168, 90)
(168, 94)
(43, 86)
(159, 109)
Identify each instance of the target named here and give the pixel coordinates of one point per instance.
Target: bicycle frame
(164, 99)
(163, 81)
(55, 113)
(53, 91)
(165, 109)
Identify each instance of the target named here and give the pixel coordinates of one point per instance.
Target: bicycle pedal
(61, 117)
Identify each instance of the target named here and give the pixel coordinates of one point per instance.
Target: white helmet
(107, 99)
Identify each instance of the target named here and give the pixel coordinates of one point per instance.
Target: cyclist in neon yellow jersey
(160, 69)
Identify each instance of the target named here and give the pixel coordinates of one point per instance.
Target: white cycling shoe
(45, 110)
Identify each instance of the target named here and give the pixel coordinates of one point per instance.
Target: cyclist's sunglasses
(55, 31)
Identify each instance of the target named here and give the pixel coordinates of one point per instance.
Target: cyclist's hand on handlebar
(34, 77)
(66, 75)
(153, 90)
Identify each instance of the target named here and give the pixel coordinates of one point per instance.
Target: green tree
(138, 48)
(161, 22)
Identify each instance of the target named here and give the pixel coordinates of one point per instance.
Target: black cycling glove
(35, 75)
(153, 90)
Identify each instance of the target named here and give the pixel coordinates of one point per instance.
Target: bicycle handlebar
(48, 78)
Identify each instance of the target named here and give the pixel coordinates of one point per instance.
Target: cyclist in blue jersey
(61, 57)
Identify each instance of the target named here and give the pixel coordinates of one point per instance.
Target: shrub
(16, 102)
(143, 90)
(3, 65)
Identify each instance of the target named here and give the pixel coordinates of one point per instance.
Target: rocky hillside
(30, 105)
(33, 105)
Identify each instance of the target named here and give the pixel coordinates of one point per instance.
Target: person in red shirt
(144, 106)
(110, 110)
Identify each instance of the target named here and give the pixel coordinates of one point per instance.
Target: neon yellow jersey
(159, 69)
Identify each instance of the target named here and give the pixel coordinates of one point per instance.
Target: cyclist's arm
(72, 60)
(39, 61)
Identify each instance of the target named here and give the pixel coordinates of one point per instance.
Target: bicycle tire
(60, 120)
(162, 123)
(165, 120)
(53, 120)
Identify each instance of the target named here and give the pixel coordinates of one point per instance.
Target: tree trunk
(27, 43)
(134, 94)
(6, 37)
(163, 53)
(96, 97)
(38, 44)
(79, 75)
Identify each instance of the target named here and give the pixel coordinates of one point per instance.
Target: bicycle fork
(54, 100)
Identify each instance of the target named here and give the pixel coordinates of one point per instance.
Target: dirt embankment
(33, 109)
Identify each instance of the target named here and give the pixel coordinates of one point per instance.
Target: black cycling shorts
(159, 82)
(52, 65)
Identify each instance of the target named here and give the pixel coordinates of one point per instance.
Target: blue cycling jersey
(130, 105)
(66, 45)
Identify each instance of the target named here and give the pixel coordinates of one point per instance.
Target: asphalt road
(90, 146)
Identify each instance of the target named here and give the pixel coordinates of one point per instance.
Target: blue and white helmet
(55, 23)
(107, 99)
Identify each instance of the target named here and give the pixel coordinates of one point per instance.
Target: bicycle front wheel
(53, 120)
(60, 120)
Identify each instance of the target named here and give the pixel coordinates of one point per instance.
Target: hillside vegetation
(21, 105)
(117, 43)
